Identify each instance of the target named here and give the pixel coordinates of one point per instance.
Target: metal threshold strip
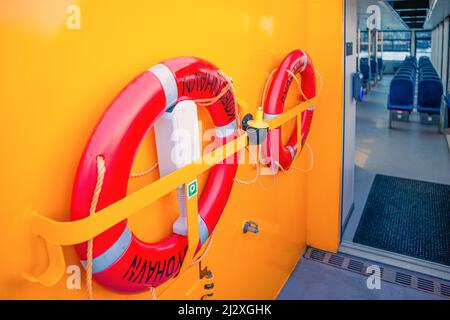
(396, 260)
(394, 275)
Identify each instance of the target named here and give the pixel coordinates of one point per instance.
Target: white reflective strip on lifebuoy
(268, 116)
(305, 61)
(311, 108)
(168, 82)
(202, 230)
(292, 151)
(226, 130)
(110, 256)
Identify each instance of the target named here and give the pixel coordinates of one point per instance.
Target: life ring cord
(296, 62)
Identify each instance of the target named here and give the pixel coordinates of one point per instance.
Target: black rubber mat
(408, 217)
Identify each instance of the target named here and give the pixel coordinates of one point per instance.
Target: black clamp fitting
(256, 129)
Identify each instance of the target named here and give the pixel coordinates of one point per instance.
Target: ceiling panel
(440, 9)
(406, 14)
(412, 12)
(390, 20)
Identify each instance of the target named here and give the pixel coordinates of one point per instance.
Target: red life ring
(297, 62)
(121, 261)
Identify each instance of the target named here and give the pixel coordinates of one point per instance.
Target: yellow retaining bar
(58, 234)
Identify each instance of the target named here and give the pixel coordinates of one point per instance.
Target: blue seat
(406, 74)
(429, 77)
(405, 77)
(430, 96)
(425, 67)
(373, 68)
(365, 71)
(401, 95)
(410, 64)
(380, 65)
(423, 71)
(405, 71)
(411, 72)
(430, 69)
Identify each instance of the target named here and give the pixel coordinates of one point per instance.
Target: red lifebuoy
(297, 62)
(121, 261)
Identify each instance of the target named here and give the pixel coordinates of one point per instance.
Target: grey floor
(313, 280)
(410, 150)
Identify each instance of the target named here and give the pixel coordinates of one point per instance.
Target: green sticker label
(192, 189)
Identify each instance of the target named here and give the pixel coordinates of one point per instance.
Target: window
(396, 45)
(423, 44)
(364, 44)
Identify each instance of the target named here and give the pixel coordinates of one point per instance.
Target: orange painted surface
(324, 183)
(55, 83)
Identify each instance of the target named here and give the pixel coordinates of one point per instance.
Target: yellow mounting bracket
(258, 122)
(57, 233)
(295, 112)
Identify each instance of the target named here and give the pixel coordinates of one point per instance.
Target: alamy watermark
(374, 280)
(73, 21)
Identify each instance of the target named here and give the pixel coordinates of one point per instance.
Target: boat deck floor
(313, 280)
(410, 150)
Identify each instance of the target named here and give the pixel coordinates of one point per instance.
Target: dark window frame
(418, 38)
(390, 43)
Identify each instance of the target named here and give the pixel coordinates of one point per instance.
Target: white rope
(208, 246)
(298, 84)
(143, 173)
(266, 87)
(258, 169)
(311, 161)
(153, 293)
(319, 75)
(319, 92)
(311, 166)
(101, 169)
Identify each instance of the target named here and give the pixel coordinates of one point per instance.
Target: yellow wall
(55, 83)
(325, 43)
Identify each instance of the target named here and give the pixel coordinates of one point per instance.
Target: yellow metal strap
(193, 230)
(55, 270)
(70, 233)
(58, 234)
(291, 114)
(299, 136)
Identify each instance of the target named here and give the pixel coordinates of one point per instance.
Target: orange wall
(325, 42)
(55, 83)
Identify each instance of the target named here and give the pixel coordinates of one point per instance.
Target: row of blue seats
(431, 88)
(372, 71)
(402, 90)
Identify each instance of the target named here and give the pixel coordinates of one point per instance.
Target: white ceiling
(389, 18)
